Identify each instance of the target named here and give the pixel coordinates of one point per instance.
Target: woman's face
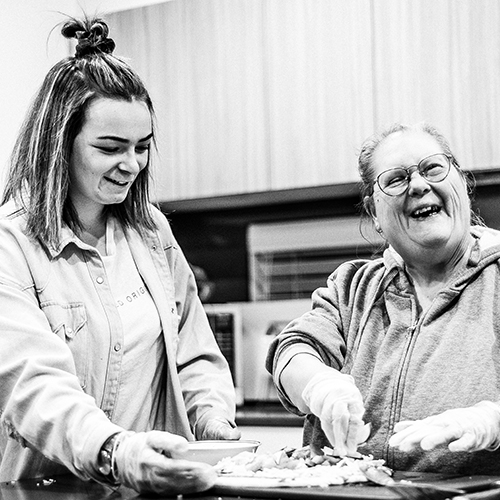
(109, 152)
(428, 216)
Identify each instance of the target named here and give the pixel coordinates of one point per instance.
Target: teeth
(120, 183)
(424, 212)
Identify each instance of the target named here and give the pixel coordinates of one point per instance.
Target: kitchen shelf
(484, 177)
(266, 414)
(248, 200)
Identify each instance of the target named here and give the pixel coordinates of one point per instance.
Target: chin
(115, 200)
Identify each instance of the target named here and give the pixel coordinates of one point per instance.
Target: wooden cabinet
(263, 95)
(439, 61)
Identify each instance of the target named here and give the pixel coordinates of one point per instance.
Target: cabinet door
(253, 95)
(320, 90)
(439, 61)
(259, 95)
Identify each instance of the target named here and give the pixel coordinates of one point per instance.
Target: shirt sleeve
(320, 332)
(204, 373)
(42, 405)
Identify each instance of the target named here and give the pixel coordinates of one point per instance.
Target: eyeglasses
(433, 168)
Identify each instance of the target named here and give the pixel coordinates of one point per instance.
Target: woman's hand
(145, 462)
(335, 399)
(462, 429)
(219, 428)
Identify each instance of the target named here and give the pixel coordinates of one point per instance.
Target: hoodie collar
(485, 249)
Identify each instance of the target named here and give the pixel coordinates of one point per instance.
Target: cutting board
(359, 491)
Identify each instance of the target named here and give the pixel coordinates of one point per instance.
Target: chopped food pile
(298, 467)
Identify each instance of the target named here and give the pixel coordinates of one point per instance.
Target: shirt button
(154, 248)
(100, 280)
(117, 347)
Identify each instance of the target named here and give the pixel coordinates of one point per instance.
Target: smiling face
(108, 153)
(428, 216)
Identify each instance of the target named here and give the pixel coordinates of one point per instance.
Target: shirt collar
(67, 236)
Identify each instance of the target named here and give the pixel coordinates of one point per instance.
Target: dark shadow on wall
(215, 238)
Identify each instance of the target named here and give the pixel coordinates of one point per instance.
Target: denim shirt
(61, 346)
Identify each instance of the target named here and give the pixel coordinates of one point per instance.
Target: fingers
(170, 445)
(218, 428)
(400, 426)
(356, 426)
(461, 429)
(466, 443)
(342, 426)
(142, 463)
(181, 476)
(335, 399)
(424, 435)
(231, 433)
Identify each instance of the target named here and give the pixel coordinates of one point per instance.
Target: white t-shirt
(141, 400)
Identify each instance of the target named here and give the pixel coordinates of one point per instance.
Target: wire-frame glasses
(433, 168)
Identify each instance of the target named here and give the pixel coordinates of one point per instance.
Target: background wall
(29, 49)
(260, 95)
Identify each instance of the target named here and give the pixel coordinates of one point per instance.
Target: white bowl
(211, 452)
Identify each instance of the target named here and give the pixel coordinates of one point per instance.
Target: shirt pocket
(69, 323)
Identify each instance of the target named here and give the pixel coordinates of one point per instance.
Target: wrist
(106, 459)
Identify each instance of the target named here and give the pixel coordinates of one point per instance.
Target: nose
(130, 163)
(417, 185)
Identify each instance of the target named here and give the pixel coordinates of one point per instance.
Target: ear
(369, 207)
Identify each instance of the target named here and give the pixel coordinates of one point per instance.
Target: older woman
(409, 342)
(108, 365)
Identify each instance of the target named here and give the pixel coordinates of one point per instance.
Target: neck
(93, 228)
(431, 267)
(431, 274)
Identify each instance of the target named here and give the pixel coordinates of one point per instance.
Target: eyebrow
(121, 139)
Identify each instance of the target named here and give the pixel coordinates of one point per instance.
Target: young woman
(108, 364)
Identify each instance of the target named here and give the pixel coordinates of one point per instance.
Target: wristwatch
(105, 461)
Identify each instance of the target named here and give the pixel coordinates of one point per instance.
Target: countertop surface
(71, 488)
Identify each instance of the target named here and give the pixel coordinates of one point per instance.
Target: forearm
(42, 404)
(293, 377)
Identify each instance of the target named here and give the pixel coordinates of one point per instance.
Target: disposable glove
(219, 428)
(142, 462)
(462, 429)
(335, 399)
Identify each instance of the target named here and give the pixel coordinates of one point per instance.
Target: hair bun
(92, 36)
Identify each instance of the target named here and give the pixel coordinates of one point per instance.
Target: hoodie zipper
(401, 377)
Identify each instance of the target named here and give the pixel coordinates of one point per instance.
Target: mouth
(117, 183)
(422, 213)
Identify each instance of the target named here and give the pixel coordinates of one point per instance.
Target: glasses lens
(394, 181)
(434, 168)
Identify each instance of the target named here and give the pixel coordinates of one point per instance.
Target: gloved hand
(142, 462)
(218, 428)
(335, 399)
(462, 429)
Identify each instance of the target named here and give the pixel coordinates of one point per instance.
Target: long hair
(38, 178)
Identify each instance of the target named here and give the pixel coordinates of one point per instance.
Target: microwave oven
(244, 331)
